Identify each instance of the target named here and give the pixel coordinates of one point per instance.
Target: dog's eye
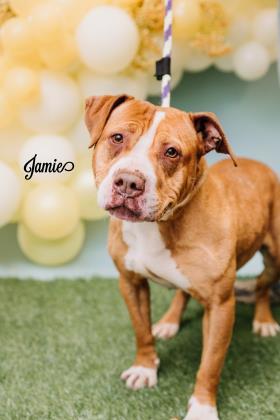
(171, 152)
(117, 138)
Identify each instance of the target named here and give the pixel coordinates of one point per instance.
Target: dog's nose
(129, 184)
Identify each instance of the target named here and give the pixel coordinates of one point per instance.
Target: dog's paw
(165, 330)
(198, 411)
(137, 377)
(266, 329)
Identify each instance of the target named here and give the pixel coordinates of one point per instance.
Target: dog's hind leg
(168, 326)
(264, 324)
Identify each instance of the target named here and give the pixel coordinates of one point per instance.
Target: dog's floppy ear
(97, 112)
(211, 134)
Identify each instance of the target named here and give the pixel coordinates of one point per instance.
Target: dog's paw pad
(165, 330)
(266, 329)
(198, 411)
(137, 377)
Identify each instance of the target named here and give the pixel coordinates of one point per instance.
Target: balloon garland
(54, 53)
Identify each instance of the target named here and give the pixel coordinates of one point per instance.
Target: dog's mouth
(124, 213)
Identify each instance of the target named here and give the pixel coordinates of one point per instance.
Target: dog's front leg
(143, 373)
(217, 331)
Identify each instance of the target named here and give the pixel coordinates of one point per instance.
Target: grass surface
(64, 345)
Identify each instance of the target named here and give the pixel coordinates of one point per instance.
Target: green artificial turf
(64, 344)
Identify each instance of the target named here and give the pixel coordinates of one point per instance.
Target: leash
(278, 58)
(163, 66)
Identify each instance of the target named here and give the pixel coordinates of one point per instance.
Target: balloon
(107, 39)
(197, 61)
(84, 185)
(79, 136)
(12, 138)
(61, 55)
(265, 27)
(93, 84)
(45, 22)
(21, 84)
(25, 187)
(16, 36)
(224, 63)
(73, 11)
(7, 111)
(10, 191)
(58, 106)
(51, 211)
(51, 149)
(186, 19)
(251, 61)
(50, 252)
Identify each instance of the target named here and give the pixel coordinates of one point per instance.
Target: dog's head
(147, 159)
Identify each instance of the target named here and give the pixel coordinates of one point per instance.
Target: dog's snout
(131, 185)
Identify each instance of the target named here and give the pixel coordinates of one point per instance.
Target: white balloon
(251, 61)
(94, 84)
(58, 106)
(265, 27)
(10, 193)
(47, 147)
(11, 141)
(197, 61)
(107, 39)
(224, 63)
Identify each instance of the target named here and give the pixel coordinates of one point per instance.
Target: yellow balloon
(16, 36)
(25, 188)
(186, 19)
(46, 22)
(21, 84)
(50, 252)
(7, 112)
(85, 188)
(51, 211)
(61, 55)
(73, 10)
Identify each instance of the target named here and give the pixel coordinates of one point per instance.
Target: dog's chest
(147, 255)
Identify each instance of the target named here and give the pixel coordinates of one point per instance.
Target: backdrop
(250, 114)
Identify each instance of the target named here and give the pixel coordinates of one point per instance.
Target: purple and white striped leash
(278, 46)
(167, 47)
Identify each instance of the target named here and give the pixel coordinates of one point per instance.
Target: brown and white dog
(183, 226)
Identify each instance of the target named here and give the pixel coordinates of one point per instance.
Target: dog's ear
(211, 134)
(97, 112)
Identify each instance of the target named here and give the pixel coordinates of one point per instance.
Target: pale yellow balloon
(23, 7)
(73, 10)
(21, 84)
(187, 16)
(84, 185)
(7, 112)
(61, 55)
(16, 36)
(51, 211)
(51, 252)
(25, 188)
(45, 21)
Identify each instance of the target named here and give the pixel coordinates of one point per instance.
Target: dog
(182, 225)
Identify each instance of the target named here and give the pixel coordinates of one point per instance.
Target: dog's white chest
(147, 255)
